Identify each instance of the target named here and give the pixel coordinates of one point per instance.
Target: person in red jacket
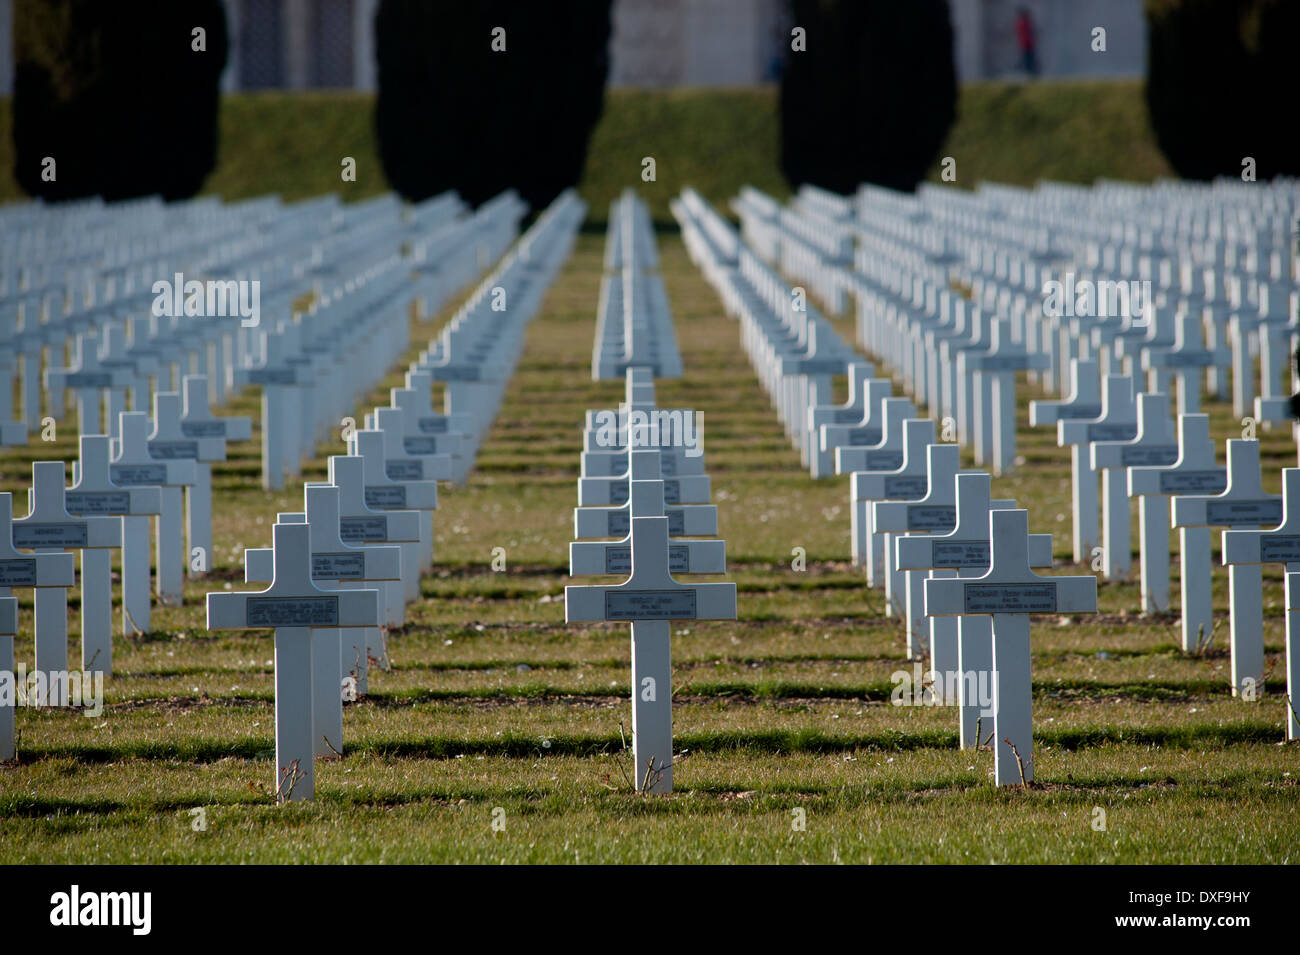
(1028, 42)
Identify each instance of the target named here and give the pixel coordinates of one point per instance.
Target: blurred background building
(328, 44)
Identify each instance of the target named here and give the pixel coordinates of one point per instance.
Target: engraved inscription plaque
(97, 502)
(18, 572)
(50, 534)
(1244, 512)
(383, 497)
(906, 485)
(1011, 598)
(1194, 482)
(138, 475)
(204, 429)
(354, 530)
(650, 605)
(338, 565)
(960, 554)
(931, 517)
(293, 611)
(404, 469)
(174, 450)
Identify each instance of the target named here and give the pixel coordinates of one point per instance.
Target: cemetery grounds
(501, 734)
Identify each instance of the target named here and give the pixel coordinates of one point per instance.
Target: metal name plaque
(420, 445)
(1077, 412)
(1280, 550)
(906, 485)
(89, 379)
(1155, 455)
(97, 502)
(668, 464)
(338, 565)
(1194, 482)
(884, 460)
(174, 450)
(672, 492)
(293, 611)
(138, 475)
(1011, 598)
(848, 416)
(272, 376)
(355, 529)
(1112, 432)
(61, 534)
(384, 497)
(618, 559)
(453, 373)
(960, 554)
(618, 492)
(1193, 360)
(1244, 512)
(18, 572)
(404, 469)
(650, 605)
(213, 428)
(619, 523)
(1002, 363)
(931, 517)
(861, 437)
(435, 425)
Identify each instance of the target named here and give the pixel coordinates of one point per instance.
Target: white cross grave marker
(1280, 545)
(1010, 591)
(1155, 445)
(1193, 473)
(961, 648)
(42, 571)
(94, 493)
(303, 616)
(1243, 504)
(49, 528)
(1116, 422)
(933, 512)
(885, 454)
(334, 565)
(1187, 360)
(907, 480)
(384, 492)
(198, 424)
(360, 524)
(133, 465)
(650, 599)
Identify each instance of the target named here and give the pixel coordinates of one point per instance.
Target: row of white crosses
(913, 246)
(1122, 440)
(475, 354)
(625, 493)
(794, 350)
(634, 326)
(343, 570)
(954, 357)
(114, 494)
(355, 261)
(1174, 476)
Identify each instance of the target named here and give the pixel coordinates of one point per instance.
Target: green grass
(493, 703)
(714, 140)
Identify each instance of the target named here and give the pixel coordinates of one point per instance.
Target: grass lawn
(493, 703)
